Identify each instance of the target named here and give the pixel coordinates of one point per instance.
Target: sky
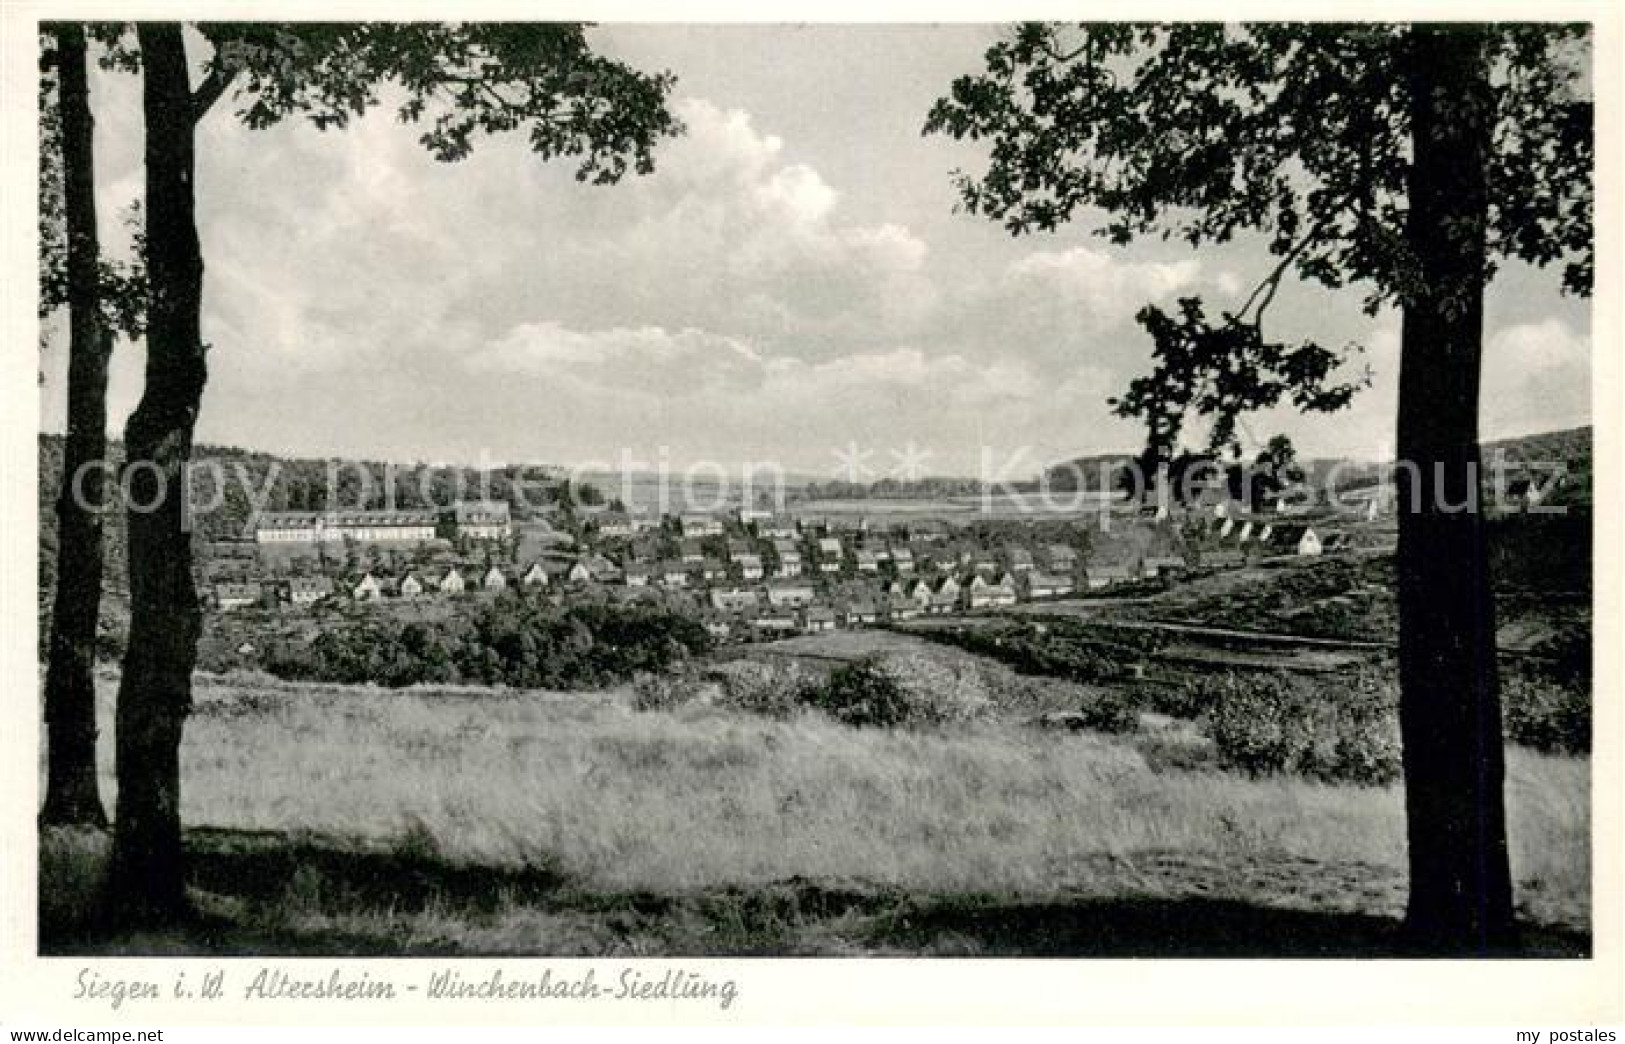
(792, 284)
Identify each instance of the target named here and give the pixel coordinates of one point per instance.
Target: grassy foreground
(326, 819)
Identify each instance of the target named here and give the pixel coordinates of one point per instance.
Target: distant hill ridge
(1570, 447)
(300, 484)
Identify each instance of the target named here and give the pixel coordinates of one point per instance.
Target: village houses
(307, 590)
(229, 596)
(698, 525)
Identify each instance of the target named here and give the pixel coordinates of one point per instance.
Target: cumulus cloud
(786, 281)
(1537, 377)
(648, 360)
(729, 236)
(1101, 288)
(708, 395)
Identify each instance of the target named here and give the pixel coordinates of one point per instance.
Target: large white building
(314, 527)
(478, 520)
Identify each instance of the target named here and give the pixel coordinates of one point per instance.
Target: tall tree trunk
(71, 795)
(1450, 715)
(155, 693)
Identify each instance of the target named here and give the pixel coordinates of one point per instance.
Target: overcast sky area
(792, 279)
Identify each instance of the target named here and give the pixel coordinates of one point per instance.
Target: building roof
(294, 520)
(480, 512)
(1111, 569)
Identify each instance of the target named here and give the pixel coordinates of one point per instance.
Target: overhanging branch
(209, 91)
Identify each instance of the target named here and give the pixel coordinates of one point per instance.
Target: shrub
(1367, 748)
(1248, 722)
(901, 690)
(1181, 699)
(1114, 711)
(771, 689)
(513, 641)
(861, 693)
(1084, 653)
(1546, 715)
(663, 692)
(937, 693)
(1343, 729)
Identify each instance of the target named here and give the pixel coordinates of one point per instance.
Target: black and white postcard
(591, 505)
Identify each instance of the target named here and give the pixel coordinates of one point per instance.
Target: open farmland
(331, 819)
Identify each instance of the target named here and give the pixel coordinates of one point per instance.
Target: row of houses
(946, 574)
(796, 607)
(830, 555)
(766, 525)
(299, 590)
(947, 592)
(1301, 540)
(371, 587)
(930, 578)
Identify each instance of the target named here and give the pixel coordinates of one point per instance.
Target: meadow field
(329, 819)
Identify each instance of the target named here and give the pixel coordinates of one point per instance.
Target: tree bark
(147, 881)
(1450, 715)
(71, 795)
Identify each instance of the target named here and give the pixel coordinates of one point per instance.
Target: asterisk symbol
(852, 463)
(910, 460)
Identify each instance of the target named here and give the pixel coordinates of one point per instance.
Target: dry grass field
(327, 819)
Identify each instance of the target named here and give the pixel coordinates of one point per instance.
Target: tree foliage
(516, 641)
(1296, 132)
(1224, 371)
(122, 289)
(462, 79)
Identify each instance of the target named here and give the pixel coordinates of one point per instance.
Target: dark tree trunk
(71, 795)
(1450, 715)
(155, 693)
